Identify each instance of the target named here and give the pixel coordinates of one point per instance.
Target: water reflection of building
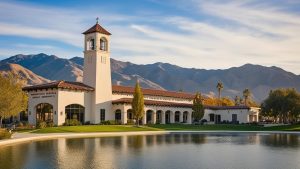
(281, 140)
(123, 151)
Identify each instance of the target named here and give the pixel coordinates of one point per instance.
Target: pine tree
(198, 108)
(138, 103)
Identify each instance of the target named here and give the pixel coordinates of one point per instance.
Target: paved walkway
(27, 137)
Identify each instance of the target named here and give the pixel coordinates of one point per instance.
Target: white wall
(242, 114)
(67, 97)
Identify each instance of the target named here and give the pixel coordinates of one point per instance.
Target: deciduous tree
(282, 104)
(12, 99)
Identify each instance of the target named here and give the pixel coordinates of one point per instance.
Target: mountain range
(41, 68)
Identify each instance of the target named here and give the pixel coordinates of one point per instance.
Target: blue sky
(214, 34)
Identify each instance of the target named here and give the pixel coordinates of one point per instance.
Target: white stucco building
(97, 100)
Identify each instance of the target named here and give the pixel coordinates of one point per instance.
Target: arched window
(177, 117)
(44, 112)
(168, 117)
(185, 116)
(149, 116)
(103, 44)
(118, 116)
(75, 111)
(129, 114)
(158, 116)
(90, 44)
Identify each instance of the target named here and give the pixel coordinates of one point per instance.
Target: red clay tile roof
(60, 84)
(174, 104)
(152, 102)
(226, 107)
(97, 28)
(153, 92)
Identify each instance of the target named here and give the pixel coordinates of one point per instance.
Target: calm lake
(169, 151)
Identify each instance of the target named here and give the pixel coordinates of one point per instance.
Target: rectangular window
(211, 117)
(102, 115)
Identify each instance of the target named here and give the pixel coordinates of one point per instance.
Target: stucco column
(154, 117)
(124, 117)
(189, 118)
(181, 117)
(144, 121)
(163, 117)
(172, 117)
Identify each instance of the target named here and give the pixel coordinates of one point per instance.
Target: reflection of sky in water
(231, 150)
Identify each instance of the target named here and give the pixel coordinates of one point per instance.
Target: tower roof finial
(97, 20)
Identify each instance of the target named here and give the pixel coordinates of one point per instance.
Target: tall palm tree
(220, 88)
(237, 100)
(246, 94)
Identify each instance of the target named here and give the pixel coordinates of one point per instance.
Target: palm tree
(220, 87)
(237, 100)
(246, 94)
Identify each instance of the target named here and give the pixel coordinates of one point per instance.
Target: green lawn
(162, 127)
(94, 128)
(230, 127)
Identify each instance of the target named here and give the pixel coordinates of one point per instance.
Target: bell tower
(97, 72)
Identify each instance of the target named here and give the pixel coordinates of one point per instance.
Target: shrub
(72, 122)
(26, 124)
(20, 124)
(50, 124)
(103, 122)
(109, 122)
(87, 123)
(130, 122)
(41, 125)
(4, 134)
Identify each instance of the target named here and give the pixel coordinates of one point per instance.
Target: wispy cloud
(230, 34)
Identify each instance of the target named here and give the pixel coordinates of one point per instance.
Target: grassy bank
(4, 134)
(228, 127)
(160, 127)
(94, 128)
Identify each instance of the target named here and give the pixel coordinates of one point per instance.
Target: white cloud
(261, 35)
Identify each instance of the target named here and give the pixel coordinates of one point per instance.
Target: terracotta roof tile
(97, 28)
(153, 92)
(60, 84)
(226, 107)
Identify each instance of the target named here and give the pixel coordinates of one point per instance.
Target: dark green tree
(282, 104)
(198, 108)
